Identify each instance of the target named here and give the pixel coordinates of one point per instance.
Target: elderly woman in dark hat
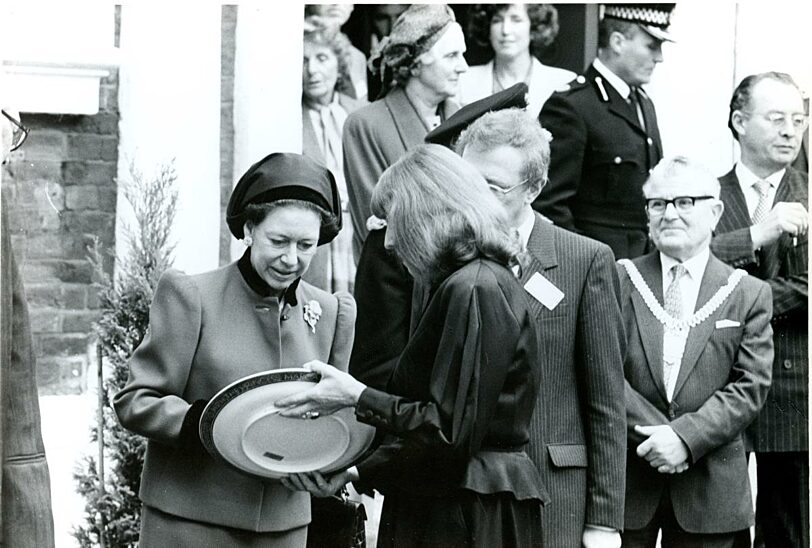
(210, 329)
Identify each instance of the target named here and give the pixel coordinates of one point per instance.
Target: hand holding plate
(336, 390)
(316, 484)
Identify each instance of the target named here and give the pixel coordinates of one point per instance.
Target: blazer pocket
(568, 456)
(560, 311)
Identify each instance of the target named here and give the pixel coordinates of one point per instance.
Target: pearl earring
(248, 241)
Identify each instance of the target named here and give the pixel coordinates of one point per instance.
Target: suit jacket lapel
(715, 276)
(543, 256)
(736, 215)
(408, 125)
(649, 327)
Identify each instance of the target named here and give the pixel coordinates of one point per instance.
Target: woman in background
(512, 32)
(457, 407)
(325, 106)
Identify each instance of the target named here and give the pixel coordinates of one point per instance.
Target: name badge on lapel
(543, 291)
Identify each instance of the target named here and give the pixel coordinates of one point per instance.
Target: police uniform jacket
(205, 332)
(601, 157)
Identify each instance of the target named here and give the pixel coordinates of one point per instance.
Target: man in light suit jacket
(578, 428)
(698, 368)
(765, 234)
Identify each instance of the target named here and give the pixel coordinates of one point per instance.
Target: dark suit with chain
(779, 435)
(601, 157)
(723, 380)
(578, 434)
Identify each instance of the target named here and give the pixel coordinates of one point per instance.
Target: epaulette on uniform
(578, 83)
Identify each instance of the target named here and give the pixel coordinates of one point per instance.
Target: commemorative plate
(241, 426)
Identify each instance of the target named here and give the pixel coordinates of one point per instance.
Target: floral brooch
(312, 313)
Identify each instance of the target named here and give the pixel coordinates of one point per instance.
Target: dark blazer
(25, 489)
(783, 423)
(600, 159)
(578, 432)
(461, 395)
(722, 383)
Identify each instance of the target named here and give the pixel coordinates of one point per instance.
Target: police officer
(605, 135)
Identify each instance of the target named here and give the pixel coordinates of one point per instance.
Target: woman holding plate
(209, 330)
(457, 408)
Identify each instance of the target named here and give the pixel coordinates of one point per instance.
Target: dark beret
(285, 176)
(447, 132)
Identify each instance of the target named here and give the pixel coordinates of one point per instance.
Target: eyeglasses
(683, 204)
(19, 133)
(779, 119)
(499, 190)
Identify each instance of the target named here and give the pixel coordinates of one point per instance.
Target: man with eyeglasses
(697, 366)
(764, 231)
(25, 495)
(577, 437)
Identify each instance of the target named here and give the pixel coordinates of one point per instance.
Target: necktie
(673, 295)
(763, 189)
(673, 341)
(634, 100)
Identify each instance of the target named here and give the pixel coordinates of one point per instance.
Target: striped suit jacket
(783, 422)
(578, 436)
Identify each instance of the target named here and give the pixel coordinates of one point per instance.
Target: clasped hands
(664, 449)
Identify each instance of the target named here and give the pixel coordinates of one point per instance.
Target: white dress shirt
(674, 341)
(746, 180)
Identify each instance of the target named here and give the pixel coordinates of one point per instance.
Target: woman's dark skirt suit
(206, 331)
(459, 402)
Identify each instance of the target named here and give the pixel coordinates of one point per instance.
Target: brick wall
(61, 190)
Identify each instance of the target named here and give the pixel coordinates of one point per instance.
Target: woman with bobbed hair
(208, 330)
(325, 107)
(514, 34)
(457, 408)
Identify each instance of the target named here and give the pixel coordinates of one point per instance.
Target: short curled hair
(515, 128)
(443, 214)
(340, 45)
(254, 214)
(543, 24)
(741, 95)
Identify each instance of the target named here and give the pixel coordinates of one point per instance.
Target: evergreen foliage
(125, 299)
